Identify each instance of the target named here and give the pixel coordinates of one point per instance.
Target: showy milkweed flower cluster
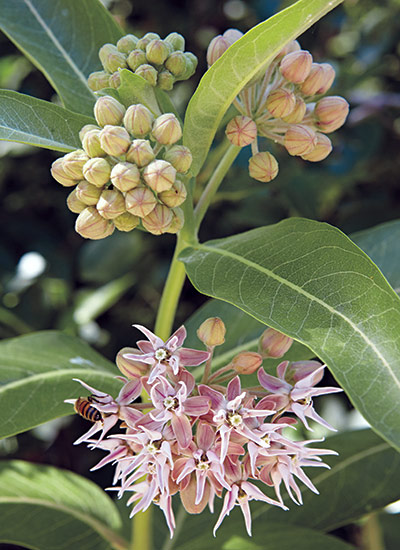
(205, 440)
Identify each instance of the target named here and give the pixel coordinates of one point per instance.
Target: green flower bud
(281, 102)
(148, 37)
(91, 144)
(74, 204)
(111, 58)
(165, 80)
(263, 167)
(87, 128)
(148, 72)
(191, 64)
(314, 81)
(159, 220)
(178, 220)
(300, 140)
(140, 201)
(114, 140)
(157, 52)
(59, 174)
(273, 343)
(241, 131)
(97, 171)
(212, 332)
(136, 58)
(176, 63)
(90, 225)
(246, 362)
(73, 164)
(331, 112)
(126, 222)
(111, 204)
(108, 110)
(297, 115)
(159, 175)
(138, 120)
(140, 152)
(127, 43)
(174, 196)
(176, 40)
(88, 193)
(125, 176)
(166, 129)
(98, 80)
(296, 66)
(180, 157)
(321, 150)
(115, 80)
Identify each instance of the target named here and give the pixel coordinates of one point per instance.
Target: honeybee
(83, 406)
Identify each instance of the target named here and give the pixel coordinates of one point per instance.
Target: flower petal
(234, 388)
(191, 357)
(182, 429)
(271, 383)
(176, 340)
(205, 436)
(129, 392)
(196, 406)
(155, 340)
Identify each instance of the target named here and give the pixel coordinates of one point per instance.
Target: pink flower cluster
(202, 440)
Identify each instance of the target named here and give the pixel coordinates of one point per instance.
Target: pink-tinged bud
(281, 102)
(111, 204)
(216, 48)
(74, 204)
(166, 129)
(136, 58)
(148, 72)
(180, 157)
(90, 225)
(114, 140)
(140, 201)
(176, 40)
(108, 110)
(178, 219)
(97, 171)
(232, 35)
(296, 66)
(298, 370)
(212, 332)
(148, 37)
(321, 150)
(246, 362)
(263, 167)
(297, 115)
(273, 344)
(91, 144)
(127, 43)
(140, 152)
(157, 51)
(300, 140)
(59, 174)
(126, 222)
(159, 220)
(329, 77)
(314, 81)
(73, 164)
(115, 80)
(165, 80)
(331, 112)
(111, 58)
(176, 63)
(138, 120)
(175, 196)
(159, 175)
(86, 129)
(125, 176)
(88, 193)
(129, 367)
(241, 131)
(293, 46)
(98, 80)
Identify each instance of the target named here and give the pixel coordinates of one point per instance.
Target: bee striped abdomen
(85, 409)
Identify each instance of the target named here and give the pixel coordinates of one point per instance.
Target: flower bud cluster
(161, 62)
(284, 104)
(127, 172)
(202, 440)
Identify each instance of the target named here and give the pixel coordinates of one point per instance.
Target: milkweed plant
(228, 423)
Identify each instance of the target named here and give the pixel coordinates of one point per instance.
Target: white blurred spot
(235, 9)
(30, 266)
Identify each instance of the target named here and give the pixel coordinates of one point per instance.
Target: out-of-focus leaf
(390, 526)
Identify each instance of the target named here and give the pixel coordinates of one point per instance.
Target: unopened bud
(331, 112)
(165, 80)
(293, 46)
(127, 43)
(88, 193)
(300, 140)
(146, 39)
(126, 222)
(281, 102)
(314, 81)
(321, 150)
(166, 129)
(59, 174)
(130, 367)
(74, 204)
(159, 220)
(108, 110)
(176, 40)
(87, 128)
(140, 201)
(140, 152)
(178, 220)
(159, 175)
(114, 140)
(212, 332)
(157, 52)
(111, 58)
(115, 80)
(91, 144)
(263, 167)
(297, 115)
(125, 176)
(97, 171)
(191, 64)
(329, 78)
(176, 63)
(246, 362)
(138, 120)
(148, 72)
(111, 204)
(273, 344)
(232, 35)
(98, 80)
(90, 225)
(241, 131)
(298, 370)
(136, 58)
(174, 196)
(216, 48)
(180, 157)
(73, 164)
(296, 66)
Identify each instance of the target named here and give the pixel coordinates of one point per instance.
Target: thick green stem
(141, 531)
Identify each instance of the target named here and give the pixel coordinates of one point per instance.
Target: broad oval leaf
(135, 89)
(43, 507)
(62, 38)
(26, 119)
(237, 66)
(308, 280)
(36, 373)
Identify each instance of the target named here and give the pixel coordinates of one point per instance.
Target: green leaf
(46, 508)
(26, 119)
(390, 525)
(62, 39)
(309, 281)
(237, 66)
(36, 373)
(135, 89)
